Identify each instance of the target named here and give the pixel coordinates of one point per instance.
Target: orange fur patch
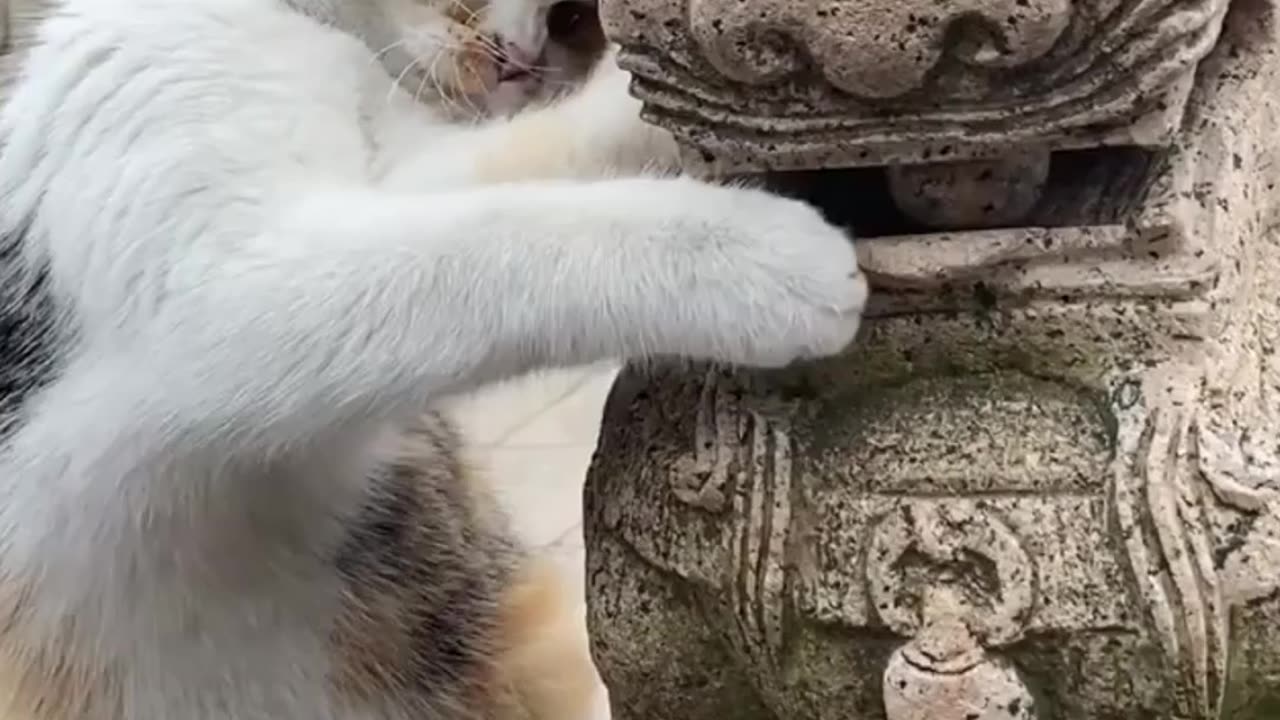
(545, 662)
(534, 149)
(473, 68)
(42, 683)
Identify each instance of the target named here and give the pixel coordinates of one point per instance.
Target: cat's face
(488, 57)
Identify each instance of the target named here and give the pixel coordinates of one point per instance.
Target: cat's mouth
(514, 73)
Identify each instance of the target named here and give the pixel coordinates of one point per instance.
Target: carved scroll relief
(822, 83)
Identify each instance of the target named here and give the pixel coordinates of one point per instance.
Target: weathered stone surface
(1044, 484)
(763, 84)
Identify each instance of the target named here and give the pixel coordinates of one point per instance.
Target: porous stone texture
(996, 191)
(782, 84)
(1045, 483)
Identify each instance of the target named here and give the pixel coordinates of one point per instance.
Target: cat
(247, 245)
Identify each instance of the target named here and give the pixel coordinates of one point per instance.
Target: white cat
(246, 243)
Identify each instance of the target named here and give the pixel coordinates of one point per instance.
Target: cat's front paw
(791, 284)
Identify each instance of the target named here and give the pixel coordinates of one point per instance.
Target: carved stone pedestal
(1045, 484)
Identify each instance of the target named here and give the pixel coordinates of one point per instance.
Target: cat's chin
(510, 97)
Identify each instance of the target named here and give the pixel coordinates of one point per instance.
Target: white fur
(270, 253)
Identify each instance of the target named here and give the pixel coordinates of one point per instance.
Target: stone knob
(959, 683)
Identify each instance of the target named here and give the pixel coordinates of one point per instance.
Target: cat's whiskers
(488, 44)
(377, 57)
(466, 27)
(472, 42)
(471, 18)
(465, 96)
(443, 45)
(422, 84)
(461, 38)
(440, 89)
(396, 85)
(469, 15)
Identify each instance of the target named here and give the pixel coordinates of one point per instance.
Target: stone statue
(1045, 483)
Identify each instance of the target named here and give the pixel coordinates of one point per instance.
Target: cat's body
(241, 261)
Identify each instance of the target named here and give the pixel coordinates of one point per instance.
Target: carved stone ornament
(1045, 482)
(775, 83)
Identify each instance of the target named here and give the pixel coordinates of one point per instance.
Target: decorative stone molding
(762, 84)
(1045, 483)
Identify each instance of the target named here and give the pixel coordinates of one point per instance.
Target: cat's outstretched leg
(363, 301)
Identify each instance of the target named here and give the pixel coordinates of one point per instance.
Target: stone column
(1045, 483)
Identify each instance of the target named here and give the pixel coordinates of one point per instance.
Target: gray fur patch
(28, 333)
(425, 565)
